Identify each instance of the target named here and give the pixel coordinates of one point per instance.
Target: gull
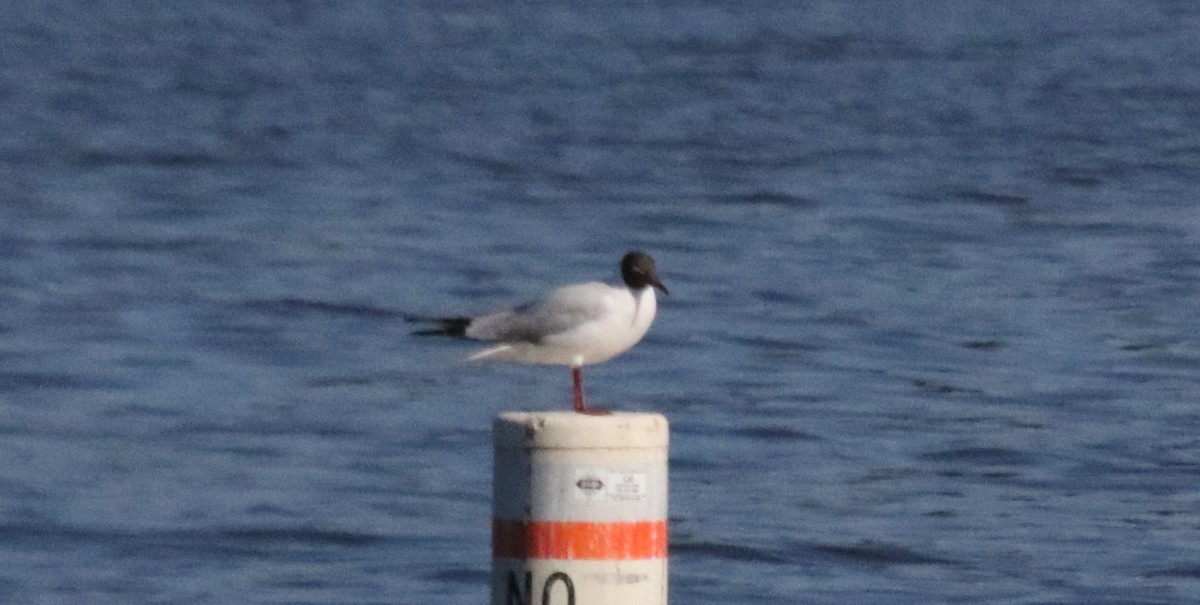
(574, 325)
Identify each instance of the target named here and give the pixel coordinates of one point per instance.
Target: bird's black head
(637, 269)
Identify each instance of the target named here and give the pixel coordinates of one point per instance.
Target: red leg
(577, 376)
(579, 405)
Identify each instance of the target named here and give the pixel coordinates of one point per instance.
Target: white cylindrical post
(579, 509)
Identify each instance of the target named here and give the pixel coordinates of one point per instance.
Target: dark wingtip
(446, 326)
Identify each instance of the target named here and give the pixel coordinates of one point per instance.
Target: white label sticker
(589, 484)
(626, 487)
(600, 485)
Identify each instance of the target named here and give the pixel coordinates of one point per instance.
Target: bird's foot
(579, 406)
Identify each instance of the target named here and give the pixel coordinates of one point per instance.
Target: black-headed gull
(573, 325)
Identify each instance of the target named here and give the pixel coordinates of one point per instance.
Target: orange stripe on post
(579, 540)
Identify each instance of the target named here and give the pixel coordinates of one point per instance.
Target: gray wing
(562, 310)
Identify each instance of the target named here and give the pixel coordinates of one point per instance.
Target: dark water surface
(934, 268)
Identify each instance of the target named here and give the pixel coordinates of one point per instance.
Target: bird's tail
(445, 326)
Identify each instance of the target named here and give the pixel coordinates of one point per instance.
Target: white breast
(577, 325)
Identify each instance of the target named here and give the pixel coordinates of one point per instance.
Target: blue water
(931, 338)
